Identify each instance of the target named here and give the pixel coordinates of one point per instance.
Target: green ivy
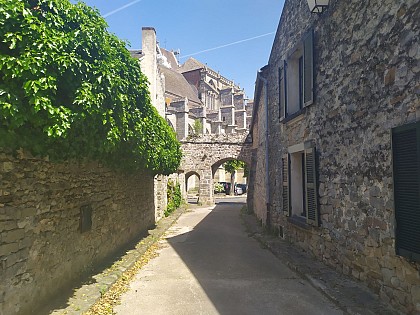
(70, 89)
(174, 197)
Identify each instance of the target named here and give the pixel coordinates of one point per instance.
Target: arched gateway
(203, 154)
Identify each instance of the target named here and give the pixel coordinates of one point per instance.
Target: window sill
(299, 222)
(293, 116)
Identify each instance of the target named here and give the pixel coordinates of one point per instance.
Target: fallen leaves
(109, 299)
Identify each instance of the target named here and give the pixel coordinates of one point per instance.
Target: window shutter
(285, 184)
(281, 93)
(311, 187)
(406, 162)
(284, 86)
(308, 68)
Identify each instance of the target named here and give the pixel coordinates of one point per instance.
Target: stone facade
(42, 248)
(191, 91)
(366, 71)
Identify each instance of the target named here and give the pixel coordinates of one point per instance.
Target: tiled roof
(191, 64)
(175, 84)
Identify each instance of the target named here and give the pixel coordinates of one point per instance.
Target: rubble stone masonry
(42, 248)
(367, 81)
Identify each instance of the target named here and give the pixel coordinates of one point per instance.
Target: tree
(231, 166)
(197, 127)
(70, 89)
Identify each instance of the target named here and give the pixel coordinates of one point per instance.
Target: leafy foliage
(218, 188)
(197, 127)
(174, 197)
(69, 88)
(232, 165)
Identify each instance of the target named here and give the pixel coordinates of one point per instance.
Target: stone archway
(203, 152)
(188, 175)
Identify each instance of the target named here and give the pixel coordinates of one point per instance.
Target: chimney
(149, 61)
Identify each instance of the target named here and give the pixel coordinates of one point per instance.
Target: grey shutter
(311, 187)
(281, 94)
(406, 162)
(308, 68)
(286, 185)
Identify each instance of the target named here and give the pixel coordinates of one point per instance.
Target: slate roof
(177, 85)
(170, 57)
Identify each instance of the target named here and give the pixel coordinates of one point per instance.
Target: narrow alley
(208, 264)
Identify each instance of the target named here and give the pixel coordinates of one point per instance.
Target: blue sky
(246, 26)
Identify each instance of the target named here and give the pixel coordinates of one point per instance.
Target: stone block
(387, 276)
(401, 297)
(25, 242)
(5, 199)
(28, 212)
(395, 282)
(13, 235)
(7, 167)
(7, 226)
(7, 249)
(13, 259)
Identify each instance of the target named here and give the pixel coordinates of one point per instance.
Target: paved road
(209, 265)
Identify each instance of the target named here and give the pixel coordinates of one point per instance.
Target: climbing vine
(174, 196)
(70, 89)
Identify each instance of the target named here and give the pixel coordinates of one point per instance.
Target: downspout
(267, 168)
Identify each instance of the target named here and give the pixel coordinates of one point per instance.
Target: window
(406, 163)
(299, 184)
(296, 78)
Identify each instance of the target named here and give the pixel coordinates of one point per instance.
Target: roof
(170, 57)
(191, 64)
(176, 84)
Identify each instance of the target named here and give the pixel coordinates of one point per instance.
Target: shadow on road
(237, 275)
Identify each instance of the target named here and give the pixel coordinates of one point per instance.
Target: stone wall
(367, 81)
(42, 250)
(257, 190)
(160, 195)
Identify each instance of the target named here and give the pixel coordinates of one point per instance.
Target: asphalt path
(207, 264)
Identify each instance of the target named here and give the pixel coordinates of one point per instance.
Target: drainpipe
(267, 168)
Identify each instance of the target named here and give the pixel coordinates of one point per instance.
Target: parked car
(242, 186)
(238, 190)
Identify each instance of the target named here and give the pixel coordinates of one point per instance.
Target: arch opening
(232, 176)
(192, 186)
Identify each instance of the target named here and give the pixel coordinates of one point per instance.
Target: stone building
(191, 92)
(336, 140)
